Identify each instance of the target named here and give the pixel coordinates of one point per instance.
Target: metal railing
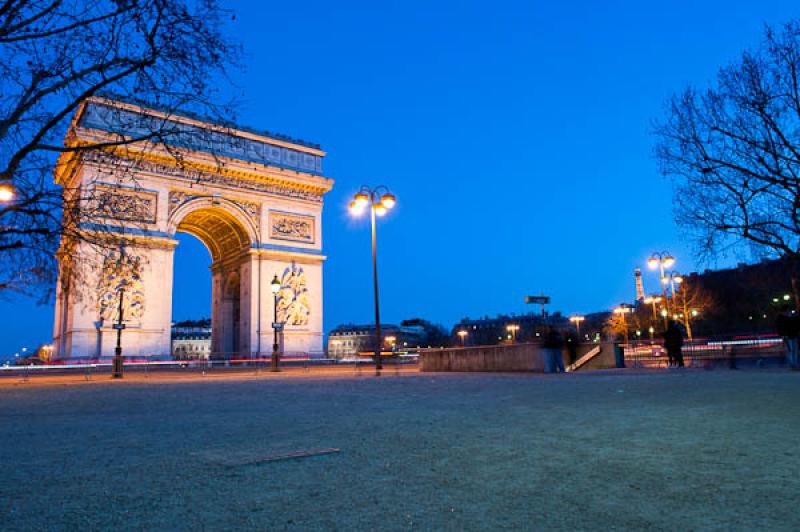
(217, 364)
(703, 352)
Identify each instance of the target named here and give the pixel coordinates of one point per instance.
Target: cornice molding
(309, 188)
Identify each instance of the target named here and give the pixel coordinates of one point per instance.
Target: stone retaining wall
(517, 357)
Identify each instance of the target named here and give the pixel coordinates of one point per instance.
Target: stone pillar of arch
(255, 201)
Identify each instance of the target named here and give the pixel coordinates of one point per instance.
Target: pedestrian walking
(552, 347)
(572, 347)
(673, 343)
(788, 327)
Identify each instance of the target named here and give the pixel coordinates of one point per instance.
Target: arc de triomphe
(254, 200)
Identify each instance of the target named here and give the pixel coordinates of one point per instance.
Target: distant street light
(653, 300)
(577, 321)
(379, 200)
(622, 310)
(463, 335)
(275, 288)
(513, 328)
(391, 340)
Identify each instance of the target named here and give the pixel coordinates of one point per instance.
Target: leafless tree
(54, 54)
(691, 302)
(734, 152)
(623, 325)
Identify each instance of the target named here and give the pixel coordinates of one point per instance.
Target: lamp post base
(275, 366)
(116, 365)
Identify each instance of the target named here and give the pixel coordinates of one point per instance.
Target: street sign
(537, 300)
(277, 326)
(118, 326)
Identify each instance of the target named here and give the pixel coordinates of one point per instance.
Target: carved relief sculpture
(295, 227)
(293, 304)
(120, 272)
(119, 203)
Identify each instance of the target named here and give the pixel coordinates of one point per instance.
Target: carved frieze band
(179, 197)
(119, 166)
(125, 204)
(294, 227)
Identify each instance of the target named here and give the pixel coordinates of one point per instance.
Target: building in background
(505, 328)
(349, 341)
(191, 339)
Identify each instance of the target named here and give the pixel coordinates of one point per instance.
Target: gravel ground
(660, 450)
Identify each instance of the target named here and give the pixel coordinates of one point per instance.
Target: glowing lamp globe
(355, 208)
(275, 285)
(6, 193)
(361, 200)
(388, 200)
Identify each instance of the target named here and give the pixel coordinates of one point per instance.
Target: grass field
(664, 450)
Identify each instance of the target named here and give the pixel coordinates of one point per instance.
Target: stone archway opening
(226, 239)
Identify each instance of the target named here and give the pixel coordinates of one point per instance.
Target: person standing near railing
(673, 343)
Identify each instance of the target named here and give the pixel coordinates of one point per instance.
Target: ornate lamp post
(379, 200)
(661, 260)
(673, 278)
(275, 287)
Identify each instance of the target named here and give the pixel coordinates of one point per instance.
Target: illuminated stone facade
(254, 200)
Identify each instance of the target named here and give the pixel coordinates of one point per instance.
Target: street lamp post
(463, 335)
(622, 310)
(275, 287)
(673, 278)
(676, 279)
(379, 200)
(577, 321)
(513, 328)
(116, 365)
(653, 301)
(661, 260)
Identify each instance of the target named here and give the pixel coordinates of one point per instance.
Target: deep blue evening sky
(515, 135)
